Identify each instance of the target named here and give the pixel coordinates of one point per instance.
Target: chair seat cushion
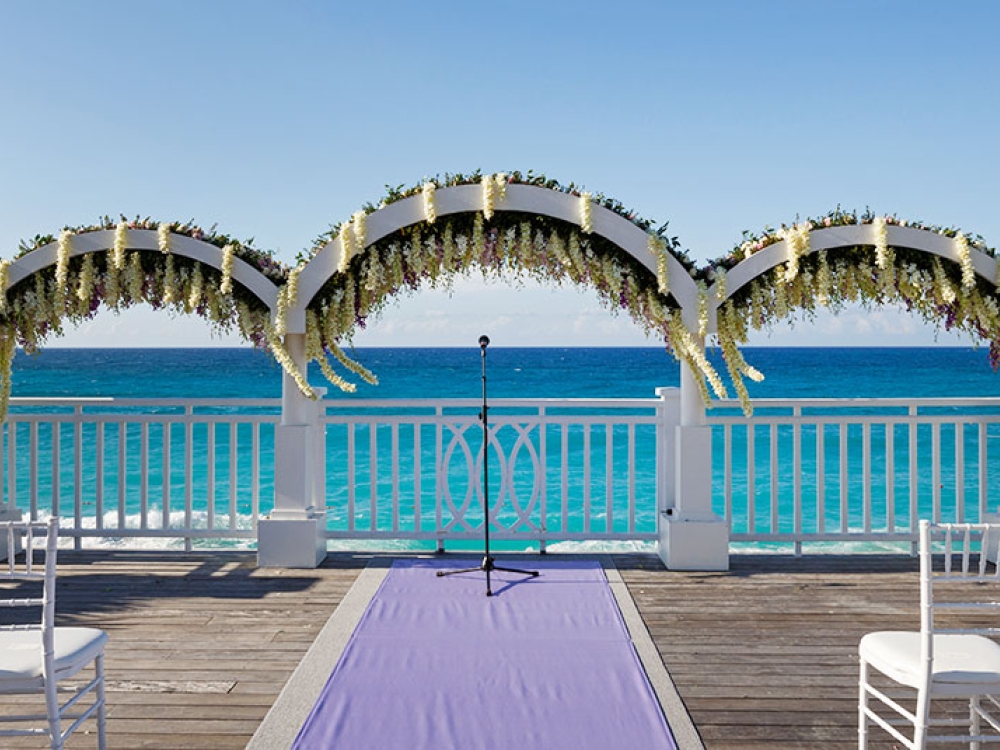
(21, 654)
(960, 660)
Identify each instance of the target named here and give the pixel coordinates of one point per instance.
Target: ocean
(633, 372)
(926, 372)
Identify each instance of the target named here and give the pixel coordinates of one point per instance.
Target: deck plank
(763, 656)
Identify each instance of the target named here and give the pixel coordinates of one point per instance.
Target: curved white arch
(850, 235)
(469, 198)
(253, 280)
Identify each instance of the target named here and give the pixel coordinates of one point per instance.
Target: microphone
(484, 341)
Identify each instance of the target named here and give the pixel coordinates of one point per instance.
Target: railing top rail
(114, 401)
(464, 403)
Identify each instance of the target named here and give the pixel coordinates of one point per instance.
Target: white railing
(179, 468)
(857, 470)
(560, 469)
(798, 471)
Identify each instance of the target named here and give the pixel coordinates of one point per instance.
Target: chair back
(959, 585)
(28, 571)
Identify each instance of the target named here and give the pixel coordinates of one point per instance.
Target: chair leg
(862, 706)
(975, 726)
(52, 709)
(101, 720)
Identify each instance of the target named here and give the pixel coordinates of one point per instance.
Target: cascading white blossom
(658, 248)
(489, 186)
(121, 244)
(430, 202)
(228, 255)
(586, 213)
(797, 242)
(62, 260)
(883, 259)
(965, 261)
(346, 238)
(163, 237)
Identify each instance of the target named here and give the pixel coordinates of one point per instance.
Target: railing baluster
(890, 476)
(394, 442)
(35, 469)
(144, 475)
(210, 426)
(609, 497)
(751, 478)
(959, 472)
(77, 473)
(122, 471)
(234, 429)
(165, 468)
(936, 469)
(866, 476)
(773, 490)
(845, 515)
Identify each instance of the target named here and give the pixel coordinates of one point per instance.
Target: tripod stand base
(488, 565)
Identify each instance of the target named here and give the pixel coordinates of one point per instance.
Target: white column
(294, 534)
(692, 536)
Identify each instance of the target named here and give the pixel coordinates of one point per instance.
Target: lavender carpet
(435, 664)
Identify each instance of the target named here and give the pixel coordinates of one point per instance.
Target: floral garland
(511, 245)
(945, 293)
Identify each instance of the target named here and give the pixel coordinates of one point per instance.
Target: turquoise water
(455, 373)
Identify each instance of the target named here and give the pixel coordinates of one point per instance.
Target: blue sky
(275, 120)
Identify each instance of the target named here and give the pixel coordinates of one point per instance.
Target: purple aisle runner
(434, 664)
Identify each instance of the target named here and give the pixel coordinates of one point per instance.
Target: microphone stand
(488, 565)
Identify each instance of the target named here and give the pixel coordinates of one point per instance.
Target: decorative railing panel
(568, 469)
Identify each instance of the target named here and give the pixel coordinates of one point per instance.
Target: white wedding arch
(510, 225)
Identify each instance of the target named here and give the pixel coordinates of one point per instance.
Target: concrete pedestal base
(291, 543)
(694, 544)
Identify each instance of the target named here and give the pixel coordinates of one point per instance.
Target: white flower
(500, 178)
(163, 237)
(586, 214)
(883, 258)
(228, 254)
(170, 292)
(965, 260)
(360, 227)
(346, 238)
(702, 309)
(85, 287)
(797, 242)
(121, 243)
(720, 284)
(489, 196)
(4, 281)
(659, 249)
(430, 202)
(62, 260)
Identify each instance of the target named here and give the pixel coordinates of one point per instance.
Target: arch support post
(691, 535)
(294, 534)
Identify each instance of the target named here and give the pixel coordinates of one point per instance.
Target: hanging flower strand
(163, 237)
(62, 260)
(430, 202)
(121, 244)
(883, 255)
(4, 281)
(228, 253)
(586, 213)
(346, 238)
(965, 261)
(797, 240)
(489, 196)
(659, 249)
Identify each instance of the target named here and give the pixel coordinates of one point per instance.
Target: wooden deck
(764, 656)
